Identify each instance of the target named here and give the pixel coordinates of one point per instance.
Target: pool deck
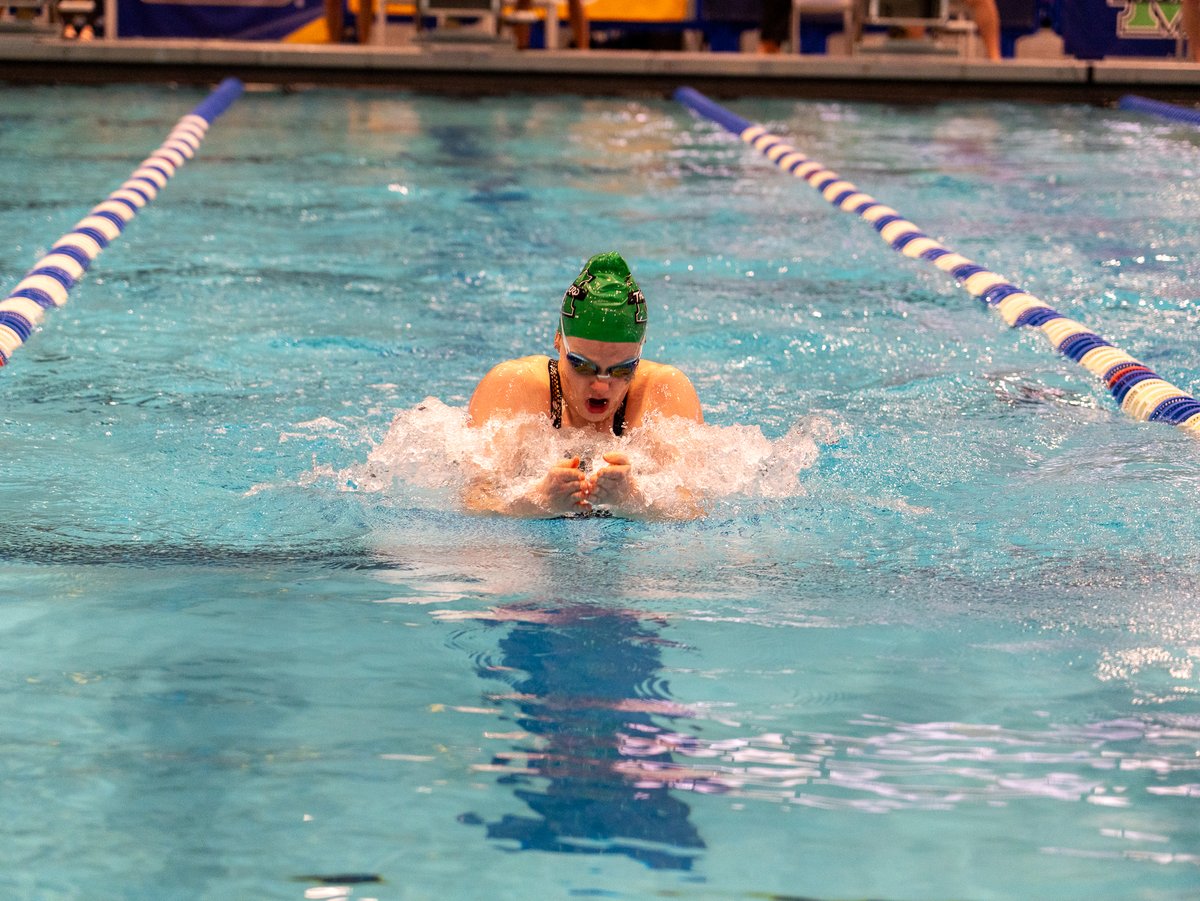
(498, 68)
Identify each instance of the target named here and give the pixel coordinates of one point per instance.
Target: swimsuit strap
(619, 417)
(556, 402)
(555, 395)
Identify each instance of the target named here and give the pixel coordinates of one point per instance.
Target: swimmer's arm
(563, 490)
(686, 505)
(483, 495)
(512, 389)
(616, 486)
(670, 393)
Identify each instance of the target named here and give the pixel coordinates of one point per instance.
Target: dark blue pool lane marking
(1140, 392)
(48, 283)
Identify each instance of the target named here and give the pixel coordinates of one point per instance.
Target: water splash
(430, 447)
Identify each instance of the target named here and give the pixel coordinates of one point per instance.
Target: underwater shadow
(586, 686)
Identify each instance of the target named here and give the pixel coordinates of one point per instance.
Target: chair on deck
(936, 17)
(492, 15)
(919, 13)
(24, 15)
(487, 12)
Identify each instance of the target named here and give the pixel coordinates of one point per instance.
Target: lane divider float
(49, 282)
(1139, 391)
(1138, 104)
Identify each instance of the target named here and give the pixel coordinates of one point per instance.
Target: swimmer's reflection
(584, 682)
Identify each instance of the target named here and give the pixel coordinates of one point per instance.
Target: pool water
(938, 636)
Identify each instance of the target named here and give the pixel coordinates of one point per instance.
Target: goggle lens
(588, 369)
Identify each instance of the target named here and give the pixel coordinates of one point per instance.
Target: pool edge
(502, 70)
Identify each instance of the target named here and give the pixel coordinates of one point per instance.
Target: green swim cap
(604, 303)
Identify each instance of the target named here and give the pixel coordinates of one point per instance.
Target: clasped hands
(568, 489)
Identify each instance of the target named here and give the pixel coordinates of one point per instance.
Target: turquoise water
(937, 638)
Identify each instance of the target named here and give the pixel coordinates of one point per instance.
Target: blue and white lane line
(48, 283)
(1140, 392)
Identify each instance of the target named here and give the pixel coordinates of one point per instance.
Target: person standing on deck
(598, 385)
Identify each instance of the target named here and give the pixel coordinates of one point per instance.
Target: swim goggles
(585, 367)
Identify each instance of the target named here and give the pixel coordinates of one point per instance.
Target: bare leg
(1190, 10)
(775, 23)
(521, 32)
(580, 28)
(987, 20)
(366, 16)
(334, 20)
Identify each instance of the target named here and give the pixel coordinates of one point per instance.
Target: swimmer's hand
(565, 488)
(562, 490)
(614, 485)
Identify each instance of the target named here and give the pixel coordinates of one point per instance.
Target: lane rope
(49, 282)
(1138, 104)
(1139, 391)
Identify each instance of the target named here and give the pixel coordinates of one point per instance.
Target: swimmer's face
(595, 396)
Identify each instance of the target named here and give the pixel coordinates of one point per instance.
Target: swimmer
(599, 385)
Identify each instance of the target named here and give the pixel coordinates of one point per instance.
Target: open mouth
(597, 404)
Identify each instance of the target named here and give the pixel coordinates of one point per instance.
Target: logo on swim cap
(604, 303)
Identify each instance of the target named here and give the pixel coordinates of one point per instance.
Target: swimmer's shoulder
(661, 389)
(522, 370)
(513, 387)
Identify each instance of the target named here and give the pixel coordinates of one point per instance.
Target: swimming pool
(937, 637)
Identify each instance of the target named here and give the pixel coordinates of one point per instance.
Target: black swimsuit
(556, 401)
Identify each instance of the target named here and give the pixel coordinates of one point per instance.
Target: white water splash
(430, 446)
